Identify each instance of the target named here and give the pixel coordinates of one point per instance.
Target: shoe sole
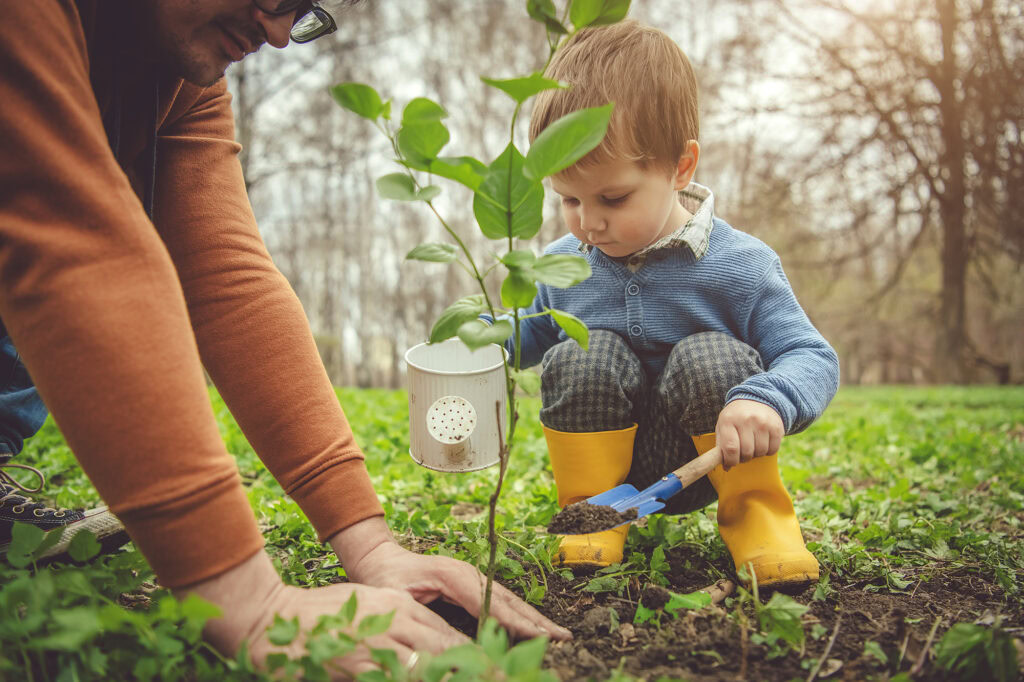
(100, 522)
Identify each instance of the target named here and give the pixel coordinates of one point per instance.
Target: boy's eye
(612, 201)
(569, 201)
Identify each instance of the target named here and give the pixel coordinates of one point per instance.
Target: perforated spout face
(451, 419)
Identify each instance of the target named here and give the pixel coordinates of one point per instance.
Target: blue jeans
(22, 412)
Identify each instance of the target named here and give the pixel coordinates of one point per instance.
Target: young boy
(695, 333)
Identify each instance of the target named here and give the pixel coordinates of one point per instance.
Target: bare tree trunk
(952, 342)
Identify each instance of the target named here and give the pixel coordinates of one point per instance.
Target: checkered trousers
(605, 388)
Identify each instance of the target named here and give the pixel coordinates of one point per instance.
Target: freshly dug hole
(583, 517)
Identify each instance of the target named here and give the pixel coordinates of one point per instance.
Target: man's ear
(687, 165)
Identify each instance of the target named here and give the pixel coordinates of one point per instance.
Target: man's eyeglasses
(311, 20)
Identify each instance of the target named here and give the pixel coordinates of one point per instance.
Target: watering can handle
(695, 468)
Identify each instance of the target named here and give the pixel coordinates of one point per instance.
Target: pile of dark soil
(584, 517)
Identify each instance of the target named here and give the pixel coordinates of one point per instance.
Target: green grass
(892, 485)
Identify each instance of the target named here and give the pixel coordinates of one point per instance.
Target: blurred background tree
(876, 146)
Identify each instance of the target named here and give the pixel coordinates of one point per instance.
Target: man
(130, 259)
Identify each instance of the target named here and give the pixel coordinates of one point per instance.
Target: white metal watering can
(453, 423)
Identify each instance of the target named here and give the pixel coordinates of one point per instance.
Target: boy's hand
(747, 429)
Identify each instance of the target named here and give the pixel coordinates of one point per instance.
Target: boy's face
(621, 207)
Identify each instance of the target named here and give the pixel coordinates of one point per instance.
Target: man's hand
(747, 429)
(250, 594)
(383, 563)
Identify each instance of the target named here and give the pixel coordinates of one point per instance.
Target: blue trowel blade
(610, 497)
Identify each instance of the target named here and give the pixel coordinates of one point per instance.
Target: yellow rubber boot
(585, 464)
(757, 521)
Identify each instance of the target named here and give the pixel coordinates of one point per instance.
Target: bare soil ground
(710, 644)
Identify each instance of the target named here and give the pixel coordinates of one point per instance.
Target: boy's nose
(591, 220)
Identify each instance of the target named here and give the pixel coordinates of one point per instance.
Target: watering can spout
(451, 421)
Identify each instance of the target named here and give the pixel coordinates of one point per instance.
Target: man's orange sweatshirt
(115, 315)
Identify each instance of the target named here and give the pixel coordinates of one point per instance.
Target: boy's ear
(687, 165)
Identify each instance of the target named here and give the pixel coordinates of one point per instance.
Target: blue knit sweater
(737, 287)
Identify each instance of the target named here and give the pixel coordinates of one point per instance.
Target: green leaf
(573, 326)
(496, 198)
(493, 640)
(525, 656)
(527, 380)
(422, 110)
(359, 98)
(348, 612)
(52, 538)
(781, 617)
(644, 614)
(398, 186)
(455, 315)
(1002, 657)
(197, 610)
(469, 659)
(477, 333)
(145, 669)
(544, 12)
(874, 649)
(519, 287)
(518, 258)
(84, 546)
(428, 193)
(561, 270)
(434, 253)
(377, 675)
(25, 538)
(978, 652)
(464, 170)
(597, 12)
(421, 141)
(690, 601)
(69, 629)
(374, 624)
(566, 141)
(518, 290)
(387, 659)
(522, 89)
(603, 583)
(282, 631)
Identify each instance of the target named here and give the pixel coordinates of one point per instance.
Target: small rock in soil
(655, 597)
(598, 620)
(584, 517)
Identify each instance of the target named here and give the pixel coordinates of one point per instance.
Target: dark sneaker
(14, 506)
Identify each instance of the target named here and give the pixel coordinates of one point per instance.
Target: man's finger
(386, 641)
(418, 634)
(521, 618)
(463, 585)
(425, 623)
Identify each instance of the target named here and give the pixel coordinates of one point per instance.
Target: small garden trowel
(653, 497)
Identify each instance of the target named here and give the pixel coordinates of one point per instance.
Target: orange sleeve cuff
(198, 537)
(338, 497)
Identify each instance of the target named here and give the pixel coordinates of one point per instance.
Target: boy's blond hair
(648, 77)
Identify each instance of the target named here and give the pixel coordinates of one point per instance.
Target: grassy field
(911, 498)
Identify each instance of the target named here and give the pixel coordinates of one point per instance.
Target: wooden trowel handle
(695, 468)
